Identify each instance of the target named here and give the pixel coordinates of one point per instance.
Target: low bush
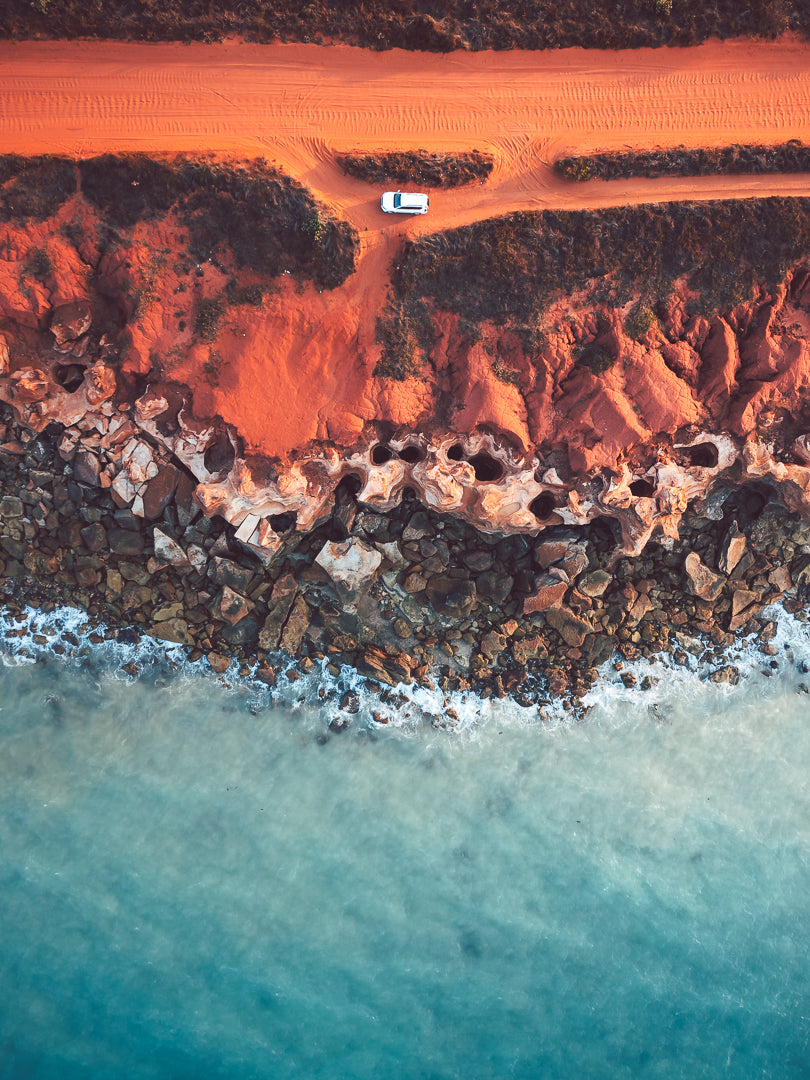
(419, 167)
(406, 337)
(263, 217)
(37, 264)
(639, 319)
(594, 357)
(34, 188)
(208, 317)
(510, 268)
(412, 24)
(789, 157)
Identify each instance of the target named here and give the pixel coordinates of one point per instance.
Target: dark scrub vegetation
(269, 222)
(789, 157)
(419, 167)
(412, 24)
(508, 270)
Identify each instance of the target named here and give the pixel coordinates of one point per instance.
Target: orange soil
(302, 369)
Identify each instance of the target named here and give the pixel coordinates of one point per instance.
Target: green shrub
(34, 188)
(509, 268)
(38, 264)
(212, 368)
(505, 374)
(237, 294)
(419, 167)
(574, 168)
(594, 357)
(268, 221)
(415, 24)
(639, 319)
(406, 340)
(208, 317)
(735, 160)
(314, 228)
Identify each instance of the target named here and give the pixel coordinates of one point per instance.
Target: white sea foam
(199, 879)
(66, 635)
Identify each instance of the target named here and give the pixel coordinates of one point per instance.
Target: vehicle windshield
(397, 200)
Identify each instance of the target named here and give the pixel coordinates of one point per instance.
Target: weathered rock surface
(350, 563)
(733, 548)
(548, 592)
(703, 582)
(168, 552)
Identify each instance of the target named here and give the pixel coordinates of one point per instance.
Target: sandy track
(300, 104)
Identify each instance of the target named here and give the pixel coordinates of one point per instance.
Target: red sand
(302, 370)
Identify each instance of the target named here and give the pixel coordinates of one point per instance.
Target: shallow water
(195, 884)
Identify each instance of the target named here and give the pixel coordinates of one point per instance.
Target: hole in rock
(703, 456)
(412, 454)
(282, 523)
(408, 494)
(543, 506)
(351, 484)
(380, 454)
(643, 489)
(69, 376)
(746, 503)
(219, 456)
(486, 467)
(456, 452)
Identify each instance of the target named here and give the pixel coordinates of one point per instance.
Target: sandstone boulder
(86, 469)
(549, 590)
(227, 572)
(703, 582)
(159, 491)
(125, 542)
(281, 601)
(70, 321)
(168, 552)
(29, 385)
(296, 626)
(218, 662)
(350, 563)
(594, 584)
(11, 507)
(231, 607)
(571, 628)
(732, 548)
(174, 630)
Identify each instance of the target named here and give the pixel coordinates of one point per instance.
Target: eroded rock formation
(694, 405)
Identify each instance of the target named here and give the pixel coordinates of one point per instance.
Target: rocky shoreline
(407, 596)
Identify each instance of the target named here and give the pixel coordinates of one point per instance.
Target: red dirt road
(300, 104)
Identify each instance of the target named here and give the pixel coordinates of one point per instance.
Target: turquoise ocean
(199, 879)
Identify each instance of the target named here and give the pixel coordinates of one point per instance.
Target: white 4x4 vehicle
(404, 202)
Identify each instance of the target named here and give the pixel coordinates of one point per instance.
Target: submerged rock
(452, 597)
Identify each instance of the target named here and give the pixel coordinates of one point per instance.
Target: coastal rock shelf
(139, 451)
(479, 479)
(402, 596)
